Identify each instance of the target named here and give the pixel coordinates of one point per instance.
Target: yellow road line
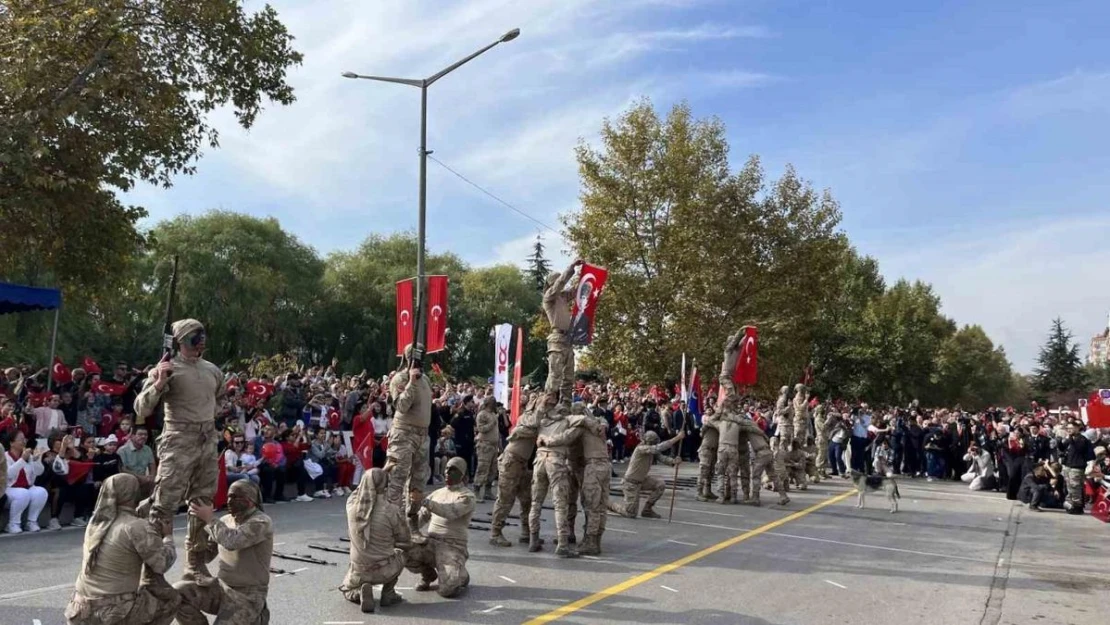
(584, 602)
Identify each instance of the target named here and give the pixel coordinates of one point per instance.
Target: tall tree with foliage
(1059, 368)
(538, 265)
(971, 371)
(694, 251)
(98, 95)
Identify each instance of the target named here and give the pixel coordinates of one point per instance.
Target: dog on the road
(876, 483)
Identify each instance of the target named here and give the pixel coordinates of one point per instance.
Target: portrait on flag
(591, 283)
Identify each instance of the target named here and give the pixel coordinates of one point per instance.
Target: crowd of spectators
(315, 431)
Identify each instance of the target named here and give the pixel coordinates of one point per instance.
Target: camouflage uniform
(515, 476)
(707, 457)
(728, 457)
(443, 552)
(551, 471)
(637, 480)
(188, 468)
(796, 466)
(488, 446)
(820, 422)
(379, 537)
(762, 461)
(244, 546)
(118, 545)
(408, 437)
(784, 422)
(590, 434)
(560, 354)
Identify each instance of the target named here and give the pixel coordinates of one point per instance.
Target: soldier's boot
(746, 491)
(709, 493)
(590, 546)
(783, 499)
(753, 500)
(196, 570)
(497, 540)
(390, 596)
(565, 549)
(571, 538)
(425, 583)
(725, 498)
(702, 497)
(649, 512)
(534, 543)
(489, 496)
(480, 493)
(366, 598)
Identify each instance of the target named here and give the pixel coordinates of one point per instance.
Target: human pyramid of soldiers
(555, 446)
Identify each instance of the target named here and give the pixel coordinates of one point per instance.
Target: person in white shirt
(49, 417)
(24, 466)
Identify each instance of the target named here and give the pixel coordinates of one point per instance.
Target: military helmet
(651, 438)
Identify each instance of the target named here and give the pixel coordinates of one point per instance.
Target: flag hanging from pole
(685, 397)
(503, 334)
(60, 372)
(695, 402)
(514, 411)
(590, 285)
(90, 366)
(437, 314)
(404, 315)
(747, 362)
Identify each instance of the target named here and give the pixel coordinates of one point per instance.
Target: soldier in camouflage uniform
(118, 544)
(188, 387)
(589, 433)
(557, 300)
(379, 537)
(442, 553)
(488, 446)
(762, 462)
(707, 455)
(576, 469)
(515, 474)
(637, 480)
(784, 421)
(407, 454)
(820, 423)
(243, 541)
(728, 453)
(551, 471)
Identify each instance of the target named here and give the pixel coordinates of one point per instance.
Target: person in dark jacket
(1075, 452)
(463, 424)
(1014, 451)
(914, 462)
(936, 452)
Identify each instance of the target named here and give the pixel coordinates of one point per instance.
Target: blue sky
(966, 141)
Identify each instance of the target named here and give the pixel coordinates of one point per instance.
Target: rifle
(301, 558)
(167, 328)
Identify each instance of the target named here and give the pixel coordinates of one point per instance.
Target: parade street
(949, 556)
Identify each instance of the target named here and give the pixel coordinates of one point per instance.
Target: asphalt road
(949, 556)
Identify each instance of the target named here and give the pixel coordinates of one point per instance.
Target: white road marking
(836, 584)
(948, 494)
(679, 542)
(344, 622)
(278, 544)
(595, 558)
(668, 588)
(34, 591)
(404, 588)
(613, 529)
(291, 572)
(735, 516)
(35, 621)
(511, 581)
(492, 610)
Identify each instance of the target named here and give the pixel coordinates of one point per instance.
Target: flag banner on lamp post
(404, 315)
(503, 334)
(437, 314)
(514, 414)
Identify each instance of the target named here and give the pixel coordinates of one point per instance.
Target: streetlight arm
(443, 72)
(412, 82)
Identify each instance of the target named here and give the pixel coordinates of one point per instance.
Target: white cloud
(1077, 92)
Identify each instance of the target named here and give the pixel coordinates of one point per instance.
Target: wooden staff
(674, 488)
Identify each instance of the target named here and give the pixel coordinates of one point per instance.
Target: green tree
(1098, 375)
(97, 95)
(694, 251)
(538, 265)
(971, 371)
(1059, 367)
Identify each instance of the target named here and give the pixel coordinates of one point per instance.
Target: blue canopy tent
(16, 298)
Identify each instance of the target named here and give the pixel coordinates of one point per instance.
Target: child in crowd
(445, 450)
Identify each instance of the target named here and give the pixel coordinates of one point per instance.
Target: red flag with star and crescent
(747, 363)
(90, 366)
(405, 316)
(1096, 408)
(60, 372)
(437, 314)
(591, 283)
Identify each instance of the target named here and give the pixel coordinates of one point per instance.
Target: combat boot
(490, 496)
(725, 499)
(783, 499)
(564, 549)
(196, 570)
(390, 596)
(709, 494)
(497, 540)
(571, 538)
(534, 543)
(649, 513)
(702, 497)
(590, 546)
(366, 598)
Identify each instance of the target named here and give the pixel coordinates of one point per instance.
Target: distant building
(1100, 347)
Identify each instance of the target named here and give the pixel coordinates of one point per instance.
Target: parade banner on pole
(747, 363)
(590, 285)
(684, 387)
(503, 334)
(404, 315)
(514, 414)
(437, 314)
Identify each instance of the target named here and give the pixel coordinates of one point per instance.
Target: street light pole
(423, 84)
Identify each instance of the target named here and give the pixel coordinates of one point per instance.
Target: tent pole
(53, 344)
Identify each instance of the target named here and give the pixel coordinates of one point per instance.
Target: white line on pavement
(404, 588)
(679, 542)
(344, 622)
(668, 588)
(35, 621)
(948, 494)
(291, 572)
(511, 581)
(34, 591)
(278, 544)
(492, 610)
(735, 516)
(613, 529)
(836, 584)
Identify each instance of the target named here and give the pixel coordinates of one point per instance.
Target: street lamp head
(509, 36)
(350, 75)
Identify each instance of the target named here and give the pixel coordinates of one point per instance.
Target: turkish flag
(436, 368)
(437, 314)
(257, 389)
(747, 362)
(77, 471)
(807, 376)
(1101, 508)
(219, 500)
(107, 388)
(232, 383)
(38, 399)
(90, 366)
(333, 419)
(60, 372)
(1097, 409)
(514, 414)
(364, 451)
(405, 315)
(591, 283)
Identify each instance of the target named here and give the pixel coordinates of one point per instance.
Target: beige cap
(183, 328)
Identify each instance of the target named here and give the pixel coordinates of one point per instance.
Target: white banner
(503, 333)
